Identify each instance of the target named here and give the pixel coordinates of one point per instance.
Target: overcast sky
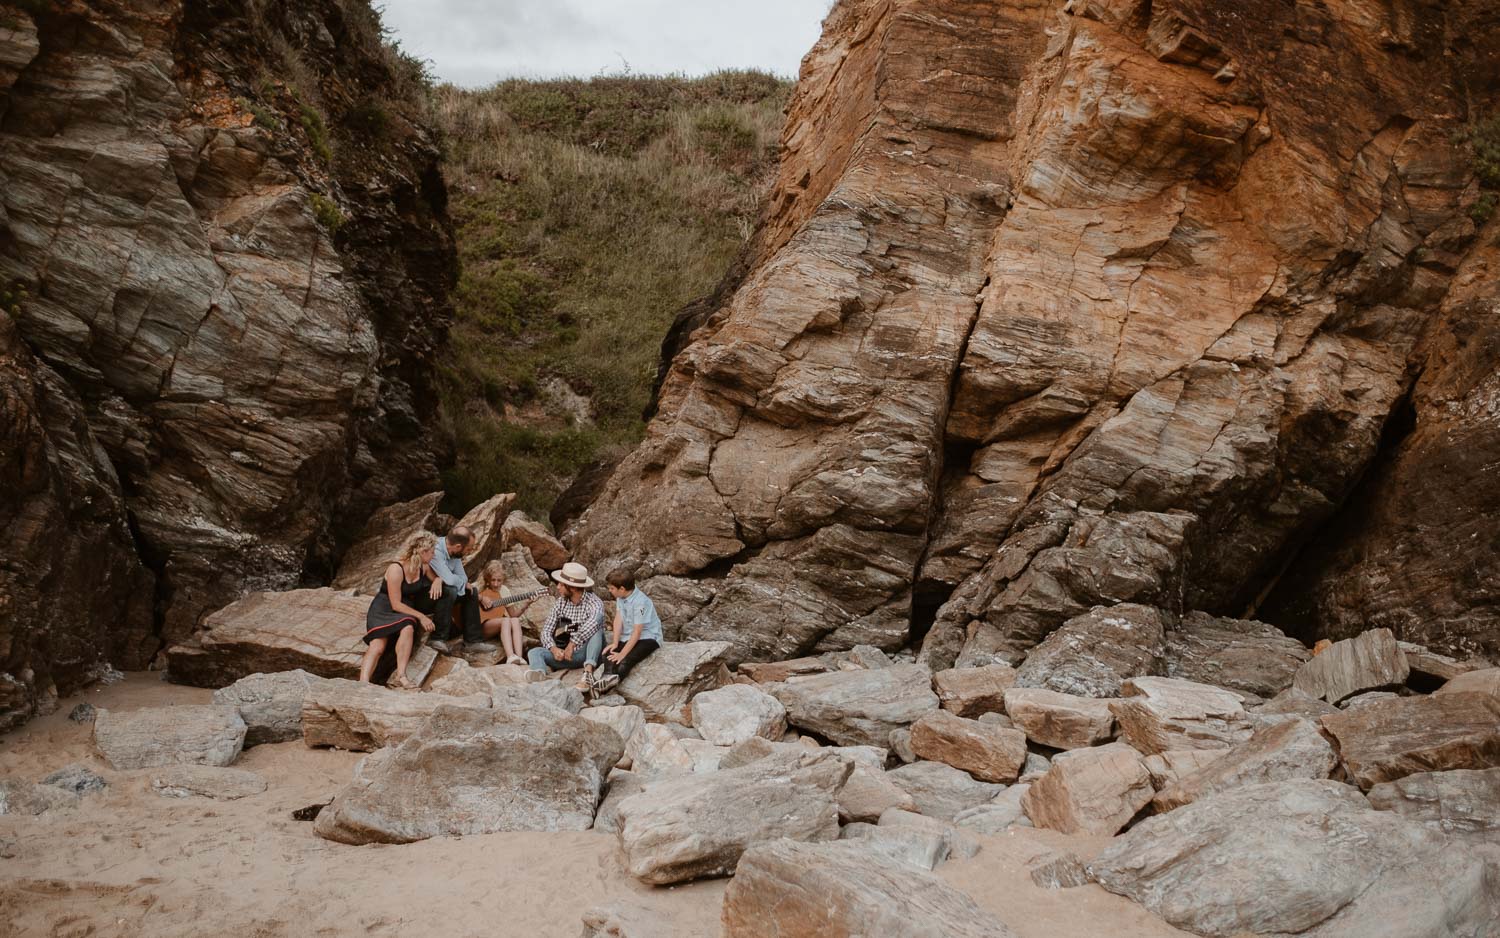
(476, 42)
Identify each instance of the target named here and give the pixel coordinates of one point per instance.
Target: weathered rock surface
(1093, 654)
(154, 736)
(1486, 681)
(920, 848)
(626, 721)
(846, 888)
(1291, 749)
(1250, 657)
(362, 568)
(869, 793)
(1243, 861)
(221, 784)
(25, 798)
(696, 826)
(858, 708)
(270, 704)
(1161, 713)
(486, 522)
(1369, 661)
(76, 778)
(1459, 801)
(654, 751)
(940, 790)
(769, 672)
(622, 919)
(1073, 341)
(520, 531)
(463, 679)
(961, 844)
(671, 676)
(320, 631)
(1431, 666)
(472, 771)
(735, 713)
(1006, 810)
(972, 692)
(245, 385)
(1090, 791)
(363, 717)
(989, 753)
(1061, 721)
(757, 748)
(1170, 767)
(1393, 738)
(620, 785)
(1291, 702)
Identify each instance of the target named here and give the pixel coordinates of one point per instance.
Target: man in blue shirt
(451, 589)
(635, 613)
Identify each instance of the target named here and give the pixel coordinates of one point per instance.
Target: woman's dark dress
(384, 622)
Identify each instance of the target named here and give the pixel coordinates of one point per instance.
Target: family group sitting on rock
(428, 584)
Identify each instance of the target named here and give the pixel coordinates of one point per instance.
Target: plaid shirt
(585, 619)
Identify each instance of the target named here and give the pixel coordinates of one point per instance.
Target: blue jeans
(541, 658)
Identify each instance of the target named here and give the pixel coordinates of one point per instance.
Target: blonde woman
(397, 610)
(496, 616)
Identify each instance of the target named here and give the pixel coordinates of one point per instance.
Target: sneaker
(533, 676)
(439, 646)
(480, 648)
(606, 683)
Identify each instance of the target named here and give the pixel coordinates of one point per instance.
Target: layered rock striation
(1060, 305)
(224, 257)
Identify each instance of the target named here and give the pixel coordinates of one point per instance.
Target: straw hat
(573, 574)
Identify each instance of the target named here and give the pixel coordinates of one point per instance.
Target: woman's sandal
(402, 682)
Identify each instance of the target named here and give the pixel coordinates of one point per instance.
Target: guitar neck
(519, 597)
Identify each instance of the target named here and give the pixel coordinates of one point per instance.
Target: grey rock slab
(697, 826)
(1369, 661)
(846, 888)
(1156, 714)
(997, 815)
(619, 786)
(924, 849)
(972, 692)
(735, 713)
(156, 736)
(1290, 749)
(671, 676)
(989, 753)
(961, 843)
(858, 708)
(1090, 791)
(869, 793)
(1390, 739)
(1465, 801)
(1238, 654)
(221, 784)
(1302, 856)
(477, 771)
(1061, 721)
(363, 717)
(1093, 654)
(940, 790)
(270, 704)
(1483, 681)
(625, 720)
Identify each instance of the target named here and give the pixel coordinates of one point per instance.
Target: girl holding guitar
(499, 614)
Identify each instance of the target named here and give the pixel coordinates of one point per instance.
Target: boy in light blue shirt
(635, 615)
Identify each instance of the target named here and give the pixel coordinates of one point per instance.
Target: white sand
(131, 862)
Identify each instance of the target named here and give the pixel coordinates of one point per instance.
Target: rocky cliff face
(225, 256)
(1065, 304)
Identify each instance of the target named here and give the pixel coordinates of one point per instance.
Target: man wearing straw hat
(573, 634)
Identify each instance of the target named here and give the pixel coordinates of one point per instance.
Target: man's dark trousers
(468, 611)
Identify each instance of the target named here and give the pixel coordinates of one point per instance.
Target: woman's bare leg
(367, 664)
(403, 650)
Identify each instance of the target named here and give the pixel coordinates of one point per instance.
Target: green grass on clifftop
(588, 213)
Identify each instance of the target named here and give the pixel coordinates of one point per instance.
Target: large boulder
(1463, 801)
(858, 708)
(363, 717)
(1161, 713)
(1389, 739)
(155, 736)
(1481, 681)
(670, 677)
(695, 826)
(848, 888)
(971, 692)
(381, 540)
(869, 793)
(1092, 654)
(485, 522)
(1305, 857)
(270, 704)
(320, 631)
(472, 771)
(770, 672)
(737, 712)
(1242, 655)
(942, 791)
(1170, 767)
(626, 721)
(989, 753)
(520, 531)
(1090, 791)
(464, 679)
(1005, 810)
(1292, 748)
(1369, 661)
(1061, 721)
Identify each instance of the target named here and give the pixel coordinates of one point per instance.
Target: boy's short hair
(623, 577)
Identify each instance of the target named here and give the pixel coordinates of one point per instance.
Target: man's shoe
(533, 676)
(480, 648)
(439, 646)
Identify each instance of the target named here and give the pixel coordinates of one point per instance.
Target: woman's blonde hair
(494, 570)
(412, 552)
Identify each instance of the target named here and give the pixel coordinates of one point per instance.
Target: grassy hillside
(588, 213)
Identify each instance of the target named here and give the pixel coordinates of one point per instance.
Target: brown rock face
(1059, 306)
(246, 381)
